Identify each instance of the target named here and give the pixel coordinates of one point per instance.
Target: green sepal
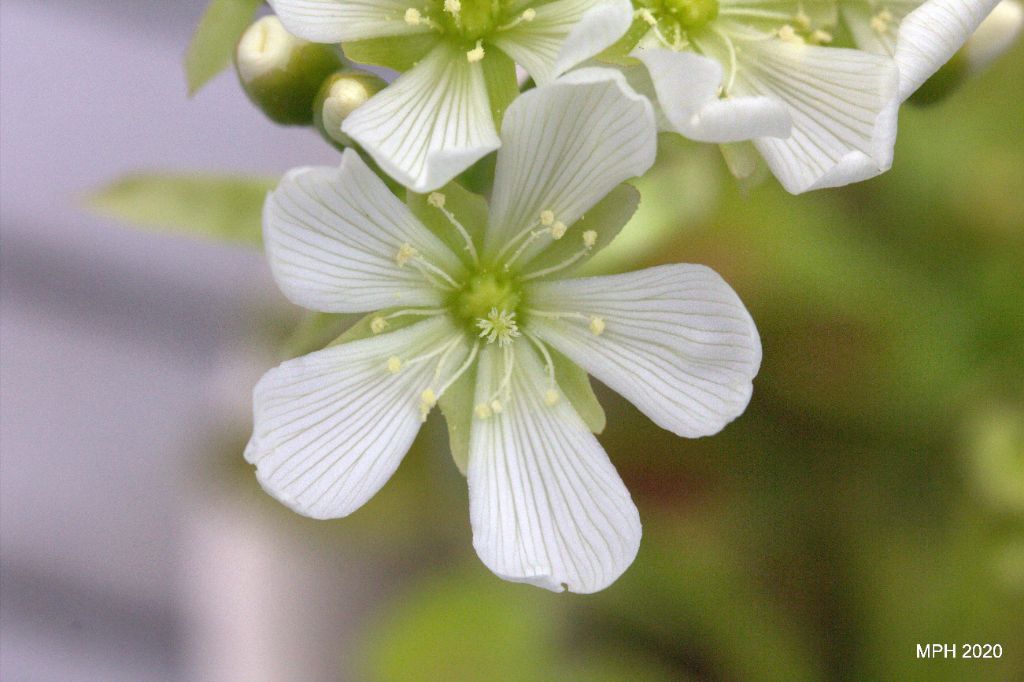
(606, 218)
(398, 53)
(575, 385)
(618, 52)
(215, 38)
(315, 331)
(468, 208)
(287, 95)
(502, 85)
(457, 407)
(223, 208)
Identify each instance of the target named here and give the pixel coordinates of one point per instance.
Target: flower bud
(339, 95)
(993, 37)
(281, 73)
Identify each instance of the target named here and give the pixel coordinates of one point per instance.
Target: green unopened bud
(993, 37)
(281, 73)
(339, 96)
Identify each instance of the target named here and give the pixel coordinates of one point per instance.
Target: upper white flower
(732, 70)
(474, 314)
(459, 59)
(920, 36)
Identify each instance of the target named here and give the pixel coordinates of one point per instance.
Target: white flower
(732, 70)
(474, 315)
(920, 36)
(438, 118)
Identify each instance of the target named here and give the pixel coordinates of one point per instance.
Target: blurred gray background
(120, 350)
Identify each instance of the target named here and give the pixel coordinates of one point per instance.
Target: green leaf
(400, 54)
(606, 218)
(502, 86)
(468, 208)
(213, 43)
(575, 384)
(223, 208)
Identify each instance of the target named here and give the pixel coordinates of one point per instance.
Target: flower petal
(429, 125)
(546, 504)
(930, 35)
(334, 21)
(687, 87)
(675, 340)
(565, 146)
(331, 427)
(332, 236)
(843, 104)
(563, 34)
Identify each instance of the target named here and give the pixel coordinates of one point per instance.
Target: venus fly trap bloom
(471, 310)
(764, 70)
(920, 36)
(458, 56)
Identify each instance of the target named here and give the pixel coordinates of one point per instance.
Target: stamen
(789, 35)
(394, 364)
(378, 324)
(528, 15)
(802, 20)
(437, 200)
(452, 7)
(647, 16)
(461, 370)
(551, 397)
(549, 364)
(589, 240)
(821, 37)
(434, 353)
(413, 16)
(881, 21)
(596, 325)
(476, 54)
(423, 266)
(427, 401)
(482, 411)
(558, 230)
(496, 406)
(426, 312)
(405, 253)
(547, 217)
(522, 247)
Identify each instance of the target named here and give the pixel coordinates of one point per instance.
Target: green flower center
(484, 292)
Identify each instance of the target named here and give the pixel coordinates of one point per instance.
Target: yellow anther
(496, 406)
(394, 364)
(788, 34)
(413, 16)
(428, 397)
(436, 199)
(529, 14)
(802, 20)
(482, 411)
(378, 324)
(589, 239)
(476, 54)
(885, 15)
(405, 254)
(452, 6)
(547, 217)
(558, 230)
(550, 397)
(821, 37)
(648, 18)
(596, 325)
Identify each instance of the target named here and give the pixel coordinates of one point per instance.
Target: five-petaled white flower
(474, 313)
(459, 60)
(921, 35)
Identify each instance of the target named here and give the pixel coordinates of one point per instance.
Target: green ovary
(691, 14)
(483, 292)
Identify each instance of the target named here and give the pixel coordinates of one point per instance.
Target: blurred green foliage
(870, 499)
